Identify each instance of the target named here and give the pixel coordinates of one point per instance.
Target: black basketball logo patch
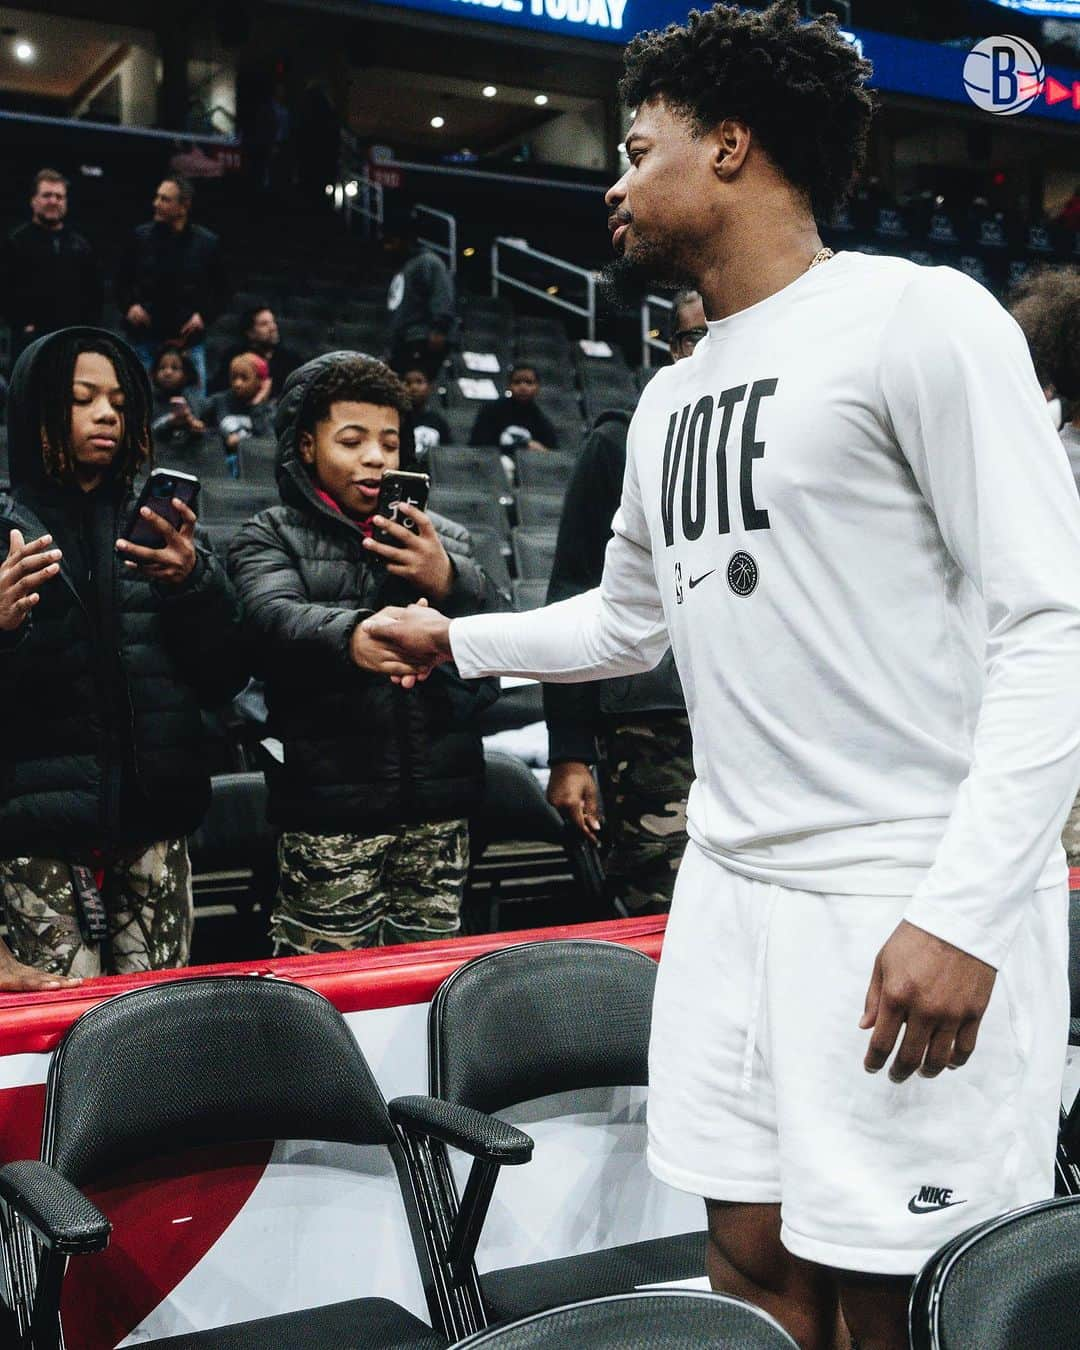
(742, 573)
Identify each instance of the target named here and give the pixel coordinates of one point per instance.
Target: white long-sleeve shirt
(851, 518)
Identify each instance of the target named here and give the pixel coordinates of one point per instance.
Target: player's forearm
(588, 637)
(1012, 806)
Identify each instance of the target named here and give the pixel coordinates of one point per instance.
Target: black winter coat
(100, 689)
(50, 278)
(172, 275)
(361, 754)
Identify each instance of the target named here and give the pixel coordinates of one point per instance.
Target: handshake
(406, 644)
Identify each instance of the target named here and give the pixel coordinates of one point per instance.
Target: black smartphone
(158, 493)
(397, 488)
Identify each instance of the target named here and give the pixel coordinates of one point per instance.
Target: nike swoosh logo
(696, 581)
(916, 1208)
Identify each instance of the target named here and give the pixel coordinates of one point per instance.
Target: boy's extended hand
(419, 559)
(419, 636)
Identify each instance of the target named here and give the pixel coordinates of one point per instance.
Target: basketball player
(851, 517)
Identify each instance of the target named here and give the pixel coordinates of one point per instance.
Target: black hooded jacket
(361, 754)
(101, 687)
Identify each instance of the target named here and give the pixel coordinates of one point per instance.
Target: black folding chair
(539, 510)
(476, 507)
(544, 470)
(660, 1319)
(525, 1023)
(530, 594)
(1005, 1284)
(460, 468)
(196, 1062)
(534, 552)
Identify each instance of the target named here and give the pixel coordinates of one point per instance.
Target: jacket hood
(24, 435)
(292, 475)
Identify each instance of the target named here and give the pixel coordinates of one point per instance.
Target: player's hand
(138, 317)
(15, 978)
(934, 989)
(572, 792)
(23, 572)
(419, 635)
(419, 559)
(371, 654)
(172, 564)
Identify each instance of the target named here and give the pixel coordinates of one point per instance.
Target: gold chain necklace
(822, 255)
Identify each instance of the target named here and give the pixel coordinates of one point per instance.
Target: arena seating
(587, 1007)
(1003, 1284)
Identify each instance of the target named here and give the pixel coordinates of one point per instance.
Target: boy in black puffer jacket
(376, 781)
(107, 651)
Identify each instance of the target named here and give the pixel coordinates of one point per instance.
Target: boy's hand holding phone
(418, 558)
(173, 561)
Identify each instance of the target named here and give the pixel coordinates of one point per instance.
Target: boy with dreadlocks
(850, 516)
(107, 651)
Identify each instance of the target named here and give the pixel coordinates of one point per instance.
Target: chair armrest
(474, 1132)
(64, 1218)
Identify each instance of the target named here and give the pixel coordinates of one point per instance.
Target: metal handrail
(648, 342)
(366, 201)
(586, 311)
(449, 249)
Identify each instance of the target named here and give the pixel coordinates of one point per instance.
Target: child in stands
(518, 421)
(174, 381)
(243, 410)
(375, 782)
(429, 428)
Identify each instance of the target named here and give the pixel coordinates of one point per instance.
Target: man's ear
(306, 446)
(731, 144)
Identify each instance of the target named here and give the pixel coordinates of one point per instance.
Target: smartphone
(158, 491)
(399, 487)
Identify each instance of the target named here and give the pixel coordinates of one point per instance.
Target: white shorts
(757, 1091)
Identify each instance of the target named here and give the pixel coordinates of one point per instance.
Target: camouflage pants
(342, 891)
(147, 899)
(646, 777)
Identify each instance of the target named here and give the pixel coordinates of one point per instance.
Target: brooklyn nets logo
(742, 573)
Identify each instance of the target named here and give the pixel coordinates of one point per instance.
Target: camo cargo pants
(342, 891)
(1070, 836)
(647, 775)
(147, 899)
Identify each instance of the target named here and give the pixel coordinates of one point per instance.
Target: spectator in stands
(243, 410)
(51, 277)
(261, 336)
(517, 422)
(636, 729)
(376, 781)
(173, 381)
(419, 303)
(1046, 305)
(1069, 215)
(107, 651)
(171, 281)
(428, 426)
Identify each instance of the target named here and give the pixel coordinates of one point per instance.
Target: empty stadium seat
(199, 1062)
(227, 500)
(533, 552)
(1005, 1283)
(219, 535)
(661, 1319)
(587, 1006)
(539, 510)
(473, 508)
(234, 836)
(490, 550)
(544, 470)
(530, 594)
(464, 468)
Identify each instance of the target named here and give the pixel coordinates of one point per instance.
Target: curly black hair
(798, 86)
(353, 379)
(1046, 305)
(53, 380)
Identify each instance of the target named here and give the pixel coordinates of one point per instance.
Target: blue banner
(901, 65)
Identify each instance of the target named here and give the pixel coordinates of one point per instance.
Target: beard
(651, 264)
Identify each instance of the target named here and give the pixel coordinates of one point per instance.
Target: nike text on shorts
(757, 1090)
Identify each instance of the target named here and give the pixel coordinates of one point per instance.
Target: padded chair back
(534, 552)
(471, 509)
(539, 510)
(234, 833)
(487, 548)
(651, 1319)
(1009, 1284)
(204, 1061)
(530, 594)
(460, 469)
(544, 470)
(545, 1017)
